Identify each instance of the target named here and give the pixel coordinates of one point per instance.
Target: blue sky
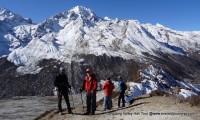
(176, 14)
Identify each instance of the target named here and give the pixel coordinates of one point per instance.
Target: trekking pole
(72, 98)
(82, 101)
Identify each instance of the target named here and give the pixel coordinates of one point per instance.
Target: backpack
(125, 87)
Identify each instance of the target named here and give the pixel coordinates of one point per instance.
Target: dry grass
(159, 93)
(138, 79)
(115, 94)
(100, 102)
(176, 90)
(193, 100)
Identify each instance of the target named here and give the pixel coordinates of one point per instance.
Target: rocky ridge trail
(143, 108)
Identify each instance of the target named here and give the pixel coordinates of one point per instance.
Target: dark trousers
(121, 96)
(63, 92)
(107, 103)
(91, 102)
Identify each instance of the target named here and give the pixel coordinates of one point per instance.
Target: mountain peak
(80, 9)
(78, 12)
(3, 11)
(159, 25)
(7, 14)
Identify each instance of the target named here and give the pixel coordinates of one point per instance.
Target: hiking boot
(70, 112)
(93, 113)
(86, 113)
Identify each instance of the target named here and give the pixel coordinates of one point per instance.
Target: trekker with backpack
(61, 82)
(108, 87)
(122, 87)
(90, 86)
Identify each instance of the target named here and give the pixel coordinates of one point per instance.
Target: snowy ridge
(154, 79)
(81, 31)
(6, 15)
(14, 31)
(177, 39)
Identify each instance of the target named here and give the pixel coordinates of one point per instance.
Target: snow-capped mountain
(68, 36)
(13, 31)
(181, 39)
(80, 31)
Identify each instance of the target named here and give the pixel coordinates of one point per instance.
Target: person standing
(61, 82)
(90, 86)
(108, 87)
(122, 87)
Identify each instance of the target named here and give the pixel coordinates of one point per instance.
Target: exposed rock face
(14, 84)
(184, 68)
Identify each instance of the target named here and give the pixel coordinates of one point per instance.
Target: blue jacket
(121, 86)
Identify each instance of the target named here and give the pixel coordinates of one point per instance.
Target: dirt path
(143, 108)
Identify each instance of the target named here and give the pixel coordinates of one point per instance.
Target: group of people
(90, 86)
(108, 87)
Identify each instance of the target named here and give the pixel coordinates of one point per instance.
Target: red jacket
(108, 87)
(90, 84)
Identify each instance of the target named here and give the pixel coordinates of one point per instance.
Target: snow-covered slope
(81, 31)
(14, 31)
(157, 79)
(179, 39)
(154, 78)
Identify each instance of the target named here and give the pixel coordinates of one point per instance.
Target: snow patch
(28, 69)
(186, 93)
(107, 18)
(157, 79)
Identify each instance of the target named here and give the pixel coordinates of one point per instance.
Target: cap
(62, 69)
(119, 77)
(88, 69)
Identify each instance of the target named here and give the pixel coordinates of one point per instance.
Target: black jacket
(61, 81)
